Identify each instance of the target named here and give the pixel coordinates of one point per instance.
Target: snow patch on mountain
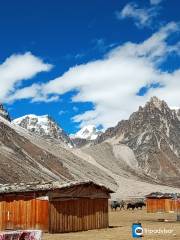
(34, 123)
(88, 132)
(43, 125)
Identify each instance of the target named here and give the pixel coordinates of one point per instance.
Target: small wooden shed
(54, 207)
(162, 202)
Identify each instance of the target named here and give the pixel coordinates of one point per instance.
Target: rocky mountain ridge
(4, 113)
(153, 133)
(178, 114)
(136, 156)
(26, 157)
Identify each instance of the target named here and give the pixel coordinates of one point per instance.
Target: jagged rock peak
(156, 102)
(153, 133)
(4, 113)
(153, 109)
(43, 125)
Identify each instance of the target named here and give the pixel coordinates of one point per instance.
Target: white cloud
(170, 90)
(155, 2)
(17, 68)
(34, 92)
(142, 16)
(112, 83)
(155, 48)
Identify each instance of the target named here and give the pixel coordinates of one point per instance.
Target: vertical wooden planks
(51, 222)
(20, 212)
(78, 215)
(56, 216)
(1, 215)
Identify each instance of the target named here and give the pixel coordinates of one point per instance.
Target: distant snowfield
(34, 122)
(88, 132)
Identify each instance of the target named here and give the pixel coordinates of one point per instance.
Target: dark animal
(115, 205)
(131, 206)
(122, 205)
(140, 205)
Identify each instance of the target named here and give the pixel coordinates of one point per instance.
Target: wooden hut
(54, 207)
(162, 202)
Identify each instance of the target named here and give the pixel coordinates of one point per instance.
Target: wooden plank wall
(23, 213)
(78, 215)
(162, 205)
(155, 205)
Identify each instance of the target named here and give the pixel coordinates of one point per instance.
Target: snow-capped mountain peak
(34, 123)
(43, 125)
(88, 132)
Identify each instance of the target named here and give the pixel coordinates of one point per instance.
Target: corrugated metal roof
(45, 186)
(163, 195)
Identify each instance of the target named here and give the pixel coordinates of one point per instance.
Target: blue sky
(88, 62)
